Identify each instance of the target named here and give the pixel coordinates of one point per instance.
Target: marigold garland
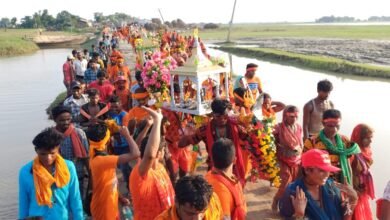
(261, 144)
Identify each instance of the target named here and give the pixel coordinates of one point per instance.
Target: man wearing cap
(122, 92)
(103, 85)
(75, 101)
(338, 146)
(315, 196)
(67, 69)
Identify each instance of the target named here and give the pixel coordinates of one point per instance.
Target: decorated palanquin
(195, 84)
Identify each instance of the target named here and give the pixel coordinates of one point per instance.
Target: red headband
(337, 120)
(251, 68)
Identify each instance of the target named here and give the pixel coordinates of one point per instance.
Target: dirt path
(258, 195)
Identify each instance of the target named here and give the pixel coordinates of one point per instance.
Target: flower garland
(261, 144)
(156, 73)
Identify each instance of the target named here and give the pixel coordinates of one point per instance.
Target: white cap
(70, 57)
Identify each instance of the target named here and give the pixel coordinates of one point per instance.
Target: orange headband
(143, 95)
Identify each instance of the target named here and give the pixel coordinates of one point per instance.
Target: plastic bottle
(127, 213)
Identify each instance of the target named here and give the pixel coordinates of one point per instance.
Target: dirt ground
(361, 51)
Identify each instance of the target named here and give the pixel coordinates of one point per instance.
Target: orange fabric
(119, 71)
(146, 197)
(98, 146)
(268, 113)
(78, 148)
(100, 113)
(104, 204)
(43, 180)
(117, 54)
(142, 95)
(124, 96)
(136, 113)
(213, 211)
(225, 194)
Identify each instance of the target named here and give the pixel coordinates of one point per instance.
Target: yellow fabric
(213, 211)
(43, 180)
(99, 146)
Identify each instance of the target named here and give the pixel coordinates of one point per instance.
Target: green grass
(313, 62)
(245, 31)
(15, 42)
(58, 100)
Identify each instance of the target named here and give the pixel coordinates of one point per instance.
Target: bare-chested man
(312, 111)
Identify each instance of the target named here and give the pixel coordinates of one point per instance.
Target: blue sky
(206, 10)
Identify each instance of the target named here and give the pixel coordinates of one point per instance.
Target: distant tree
(151, 26)
(157, 21)
(168, 24)
(174, 24)
(331, 19)
(47, 19)
(13, 21)
(64, 20)
(180, 23)
(27, 22)
(5, 22)
(211, 26)
(98, 16)
(37, 19)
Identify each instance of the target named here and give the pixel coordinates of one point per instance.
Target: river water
(29, 83)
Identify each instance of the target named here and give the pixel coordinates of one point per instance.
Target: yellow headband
(98, 146)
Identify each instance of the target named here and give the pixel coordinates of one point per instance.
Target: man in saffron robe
(137, 113)
(224, 182)
(338, 146)
(195, 199)
(123, 92)
(75, 146)
(48, 185)
(221, 126)
(104, 204)
(289, 147)
(150, 185)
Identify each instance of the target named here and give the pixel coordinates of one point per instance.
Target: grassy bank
(309, 61)
(58, 100)
(17, 42)
(248, 31)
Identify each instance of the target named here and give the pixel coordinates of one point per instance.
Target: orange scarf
(43, 180)
(268, 113)
(98, 146)
(78, 148)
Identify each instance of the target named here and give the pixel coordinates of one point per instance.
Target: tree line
(346, 19)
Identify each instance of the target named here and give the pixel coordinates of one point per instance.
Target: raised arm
(133, 147)
(153, 143)
(277, 106)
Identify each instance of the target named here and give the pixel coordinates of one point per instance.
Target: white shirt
(386, 194)
(80, 66)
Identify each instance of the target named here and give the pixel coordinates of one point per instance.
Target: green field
(247, 31)
(15, 42)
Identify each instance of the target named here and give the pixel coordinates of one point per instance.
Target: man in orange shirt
(225, 184)
(122, 92)
(104, 204)
(150, 185)
(194, 199)
(254, 82)
(137, 113)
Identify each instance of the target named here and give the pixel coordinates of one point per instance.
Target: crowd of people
(107, 126)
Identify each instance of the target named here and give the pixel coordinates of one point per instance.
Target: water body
(29, 83)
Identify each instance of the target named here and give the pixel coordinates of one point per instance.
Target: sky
(218, 11)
